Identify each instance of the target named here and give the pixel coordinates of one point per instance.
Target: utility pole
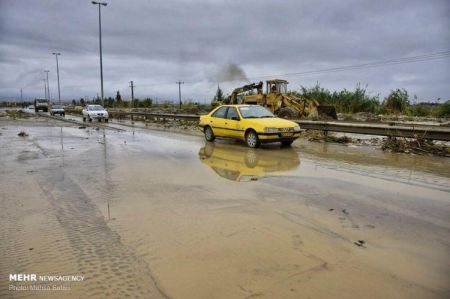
(132, 94)
(100, 38)
(48, 86)
(21, 98)
(179, 90)
(57, 72)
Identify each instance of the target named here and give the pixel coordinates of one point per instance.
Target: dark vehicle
(41, 104)
(57, 109)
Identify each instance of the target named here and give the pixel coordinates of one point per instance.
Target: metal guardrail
(380, 129)
(155, 115)
(424, 132)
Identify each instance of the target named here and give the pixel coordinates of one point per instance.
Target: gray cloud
(155, 43)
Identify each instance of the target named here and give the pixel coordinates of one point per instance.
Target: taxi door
(217, 121)
(232, 124)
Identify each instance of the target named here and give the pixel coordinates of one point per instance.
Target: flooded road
(153, 215)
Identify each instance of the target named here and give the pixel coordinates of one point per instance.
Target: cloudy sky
(158, 42)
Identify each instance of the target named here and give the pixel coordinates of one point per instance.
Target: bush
(421, 110)
(345, 101)
(397, 101)
(443, 110)
(323, 96)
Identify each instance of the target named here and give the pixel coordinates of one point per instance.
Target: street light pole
(100, 38)
(57, 72)
(48, 86)
(132, 93)
(45, 87)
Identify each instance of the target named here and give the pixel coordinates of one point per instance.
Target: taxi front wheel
(252, 139)
(209, 134)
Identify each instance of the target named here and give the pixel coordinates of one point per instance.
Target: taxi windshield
(255, 112)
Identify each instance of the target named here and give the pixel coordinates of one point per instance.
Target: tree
(147, 103)
(109, 102)
(82, 102)
(219, 94)
(118, 98)
(397, 101)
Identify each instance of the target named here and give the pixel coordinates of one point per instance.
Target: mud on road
(148, 214)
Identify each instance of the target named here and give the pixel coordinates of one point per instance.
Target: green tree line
(116, 102)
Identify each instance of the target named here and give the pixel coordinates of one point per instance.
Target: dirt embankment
(370, 117)
(390, 144)
(14, 114)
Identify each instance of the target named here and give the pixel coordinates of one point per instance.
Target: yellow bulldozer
(279, 101)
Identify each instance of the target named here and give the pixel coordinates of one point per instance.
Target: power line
(394, 61)
(155, 84)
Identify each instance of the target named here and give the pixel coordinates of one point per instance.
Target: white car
(91, 112)
(57, 109)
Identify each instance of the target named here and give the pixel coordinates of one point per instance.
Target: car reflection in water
(242, 164)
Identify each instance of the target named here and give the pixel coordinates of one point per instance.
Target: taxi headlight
(270, 130)
(297, 129)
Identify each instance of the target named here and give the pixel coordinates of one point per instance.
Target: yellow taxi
(252, 123)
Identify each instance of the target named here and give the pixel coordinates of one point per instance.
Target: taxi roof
(237, 105)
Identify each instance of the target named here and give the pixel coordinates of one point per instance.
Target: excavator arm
(233, 97)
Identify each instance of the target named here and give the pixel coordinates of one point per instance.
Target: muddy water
(146, 215)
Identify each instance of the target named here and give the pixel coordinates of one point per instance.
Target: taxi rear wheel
(209, 134)
(252, 139)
